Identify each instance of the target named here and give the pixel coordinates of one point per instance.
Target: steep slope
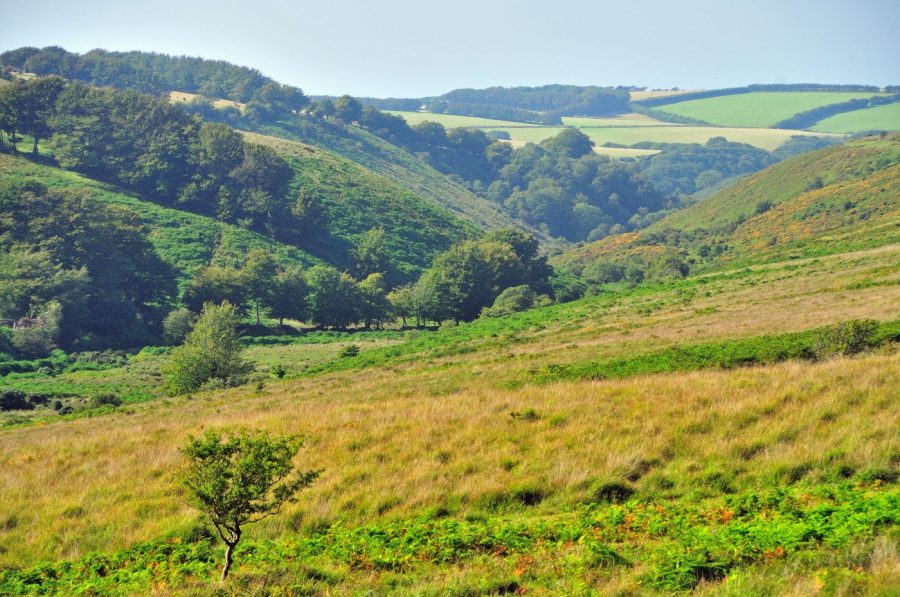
(185, 240)
(358, 200)
(840, 198)
(401, 167)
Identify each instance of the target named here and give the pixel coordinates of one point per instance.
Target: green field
(879, 118)
(758, 109)
(625, 130)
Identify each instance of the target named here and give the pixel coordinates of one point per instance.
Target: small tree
(242, 478)
(210, 352)
(177, 325)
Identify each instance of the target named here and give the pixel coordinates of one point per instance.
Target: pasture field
(627, 129)
(624, 120)
(878, 118)
(757, 109)
(504, 424)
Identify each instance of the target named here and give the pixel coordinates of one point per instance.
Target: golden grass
(184, 97)
(406, 438)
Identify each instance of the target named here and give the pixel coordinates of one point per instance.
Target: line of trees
(154, 73)
(461, 282)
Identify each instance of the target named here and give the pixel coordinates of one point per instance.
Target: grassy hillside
(498, 473)
(404, 169)
(185, 240)
(757, 109)
(358, 200)
(789, 179)
(837, 199)
(878, 118)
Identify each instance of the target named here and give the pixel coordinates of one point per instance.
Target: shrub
(177, 325)
(211, 352)
(351, 350)
(511, 300)
(14, 400)
(106, 400)
(849, 337)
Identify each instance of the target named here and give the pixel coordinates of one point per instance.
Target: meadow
(757, 109)
(879, 118)
(474, 423)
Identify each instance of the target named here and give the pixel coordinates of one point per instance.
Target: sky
(407, 48)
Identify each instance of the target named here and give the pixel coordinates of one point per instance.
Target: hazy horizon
(408, 49)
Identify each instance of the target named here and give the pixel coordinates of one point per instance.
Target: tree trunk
(257, 312)
(34, 147)
(228, 560)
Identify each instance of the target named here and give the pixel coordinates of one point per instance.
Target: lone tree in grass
(242, 478)
(211, 351)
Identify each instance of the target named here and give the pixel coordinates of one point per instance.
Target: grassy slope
(432, 432)
(185, 240)
(358, 200)
(856, 208)
(879, 118)
(406, 170)
(757, 109)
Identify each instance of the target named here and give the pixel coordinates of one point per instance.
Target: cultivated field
(879, 118)
(624, 130)
(757, 109)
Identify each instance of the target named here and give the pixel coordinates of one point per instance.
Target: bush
(14, 400)
(106, 400)
(349, 351)
(177, 325)
(511, 300)
(849, 337)
(210, 353)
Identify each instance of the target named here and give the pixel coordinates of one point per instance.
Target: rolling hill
(185, 240)
(837, 199)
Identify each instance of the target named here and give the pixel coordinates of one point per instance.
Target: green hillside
(402, 168)
(836, 199)
(358, 200)
(878, 118)
(757, 109)
(186, 241)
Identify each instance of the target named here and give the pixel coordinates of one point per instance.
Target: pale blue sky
(416, 48)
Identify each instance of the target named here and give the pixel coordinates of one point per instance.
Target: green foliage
(512, 300)
(850, 337)
(288, 298)
(334, 298)
(177, 325)
(240, 479)
(211, 352)
(674, 546)
(259, 279)
(846, 338)
(155, 73)
(370, 254)
(84, 272)
(351, 350)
